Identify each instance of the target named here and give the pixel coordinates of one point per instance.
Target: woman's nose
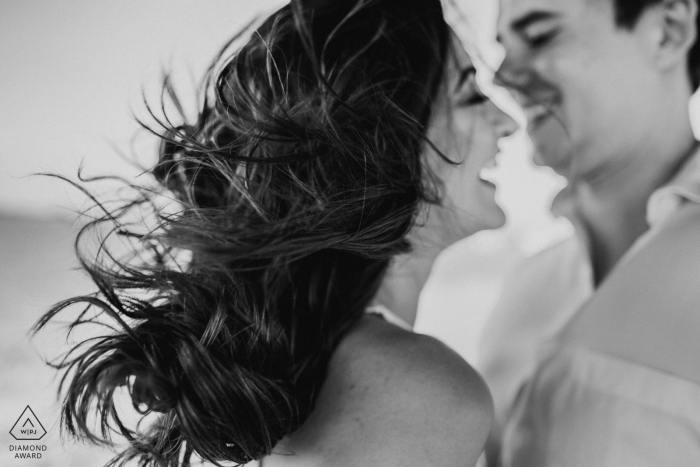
(503, 124)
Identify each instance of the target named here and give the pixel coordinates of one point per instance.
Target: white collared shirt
(563, 405)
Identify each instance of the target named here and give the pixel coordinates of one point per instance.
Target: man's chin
(552, 145)
(559, 161)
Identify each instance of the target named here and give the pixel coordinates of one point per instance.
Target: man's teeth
(537, 111)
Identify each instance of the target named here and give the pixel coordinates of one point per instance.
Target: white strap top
(388, 316)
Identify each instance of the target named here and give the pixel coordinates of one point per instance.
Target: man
(591, 352)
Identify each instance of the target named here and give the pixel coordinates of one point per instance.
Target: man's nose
(511, 75)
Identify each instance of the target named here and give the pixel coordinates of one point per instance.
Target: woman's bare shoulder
(393, 398)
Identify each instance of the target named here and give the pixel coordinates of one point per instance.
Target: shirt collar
(683, 187)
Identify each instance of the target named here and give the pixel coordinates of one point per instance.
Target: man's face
(585, 83)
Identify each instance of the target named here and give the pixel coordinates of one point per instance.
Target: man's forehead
(513, 12)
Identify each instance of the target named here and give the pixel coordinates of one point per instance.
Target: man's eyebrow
(522, 23)
(533, 17)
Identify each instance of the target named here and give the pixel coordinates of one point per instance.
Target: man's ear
(677, 31)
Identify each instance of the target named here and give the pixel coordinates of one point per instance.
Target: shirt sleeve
(587, 409)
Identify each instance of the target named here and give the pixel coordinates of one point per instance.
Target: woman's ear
(677, 31)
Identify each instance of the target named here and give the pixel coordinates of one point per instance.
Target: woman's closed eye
(473, 98)
(469, 93)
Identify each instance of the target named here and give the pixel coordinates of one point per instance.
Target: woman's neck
(402, 285)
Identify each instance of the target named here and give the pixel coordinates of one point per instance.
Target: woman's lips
(488, 183)
(486, 173)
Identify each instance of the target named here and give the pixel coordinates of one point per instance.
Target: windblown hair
(296, 185)
(628, 12)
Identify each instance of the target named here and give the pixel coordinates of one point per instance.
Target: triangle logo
(28, 427)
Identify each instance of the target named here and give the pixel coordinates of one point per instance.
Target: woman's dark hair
(628, 12)
(296, 184)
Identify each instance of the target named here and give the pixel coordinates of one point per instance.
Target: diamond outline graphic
(28, 416)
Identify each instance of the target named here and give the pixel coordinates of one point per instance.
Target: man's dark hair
(628, 12)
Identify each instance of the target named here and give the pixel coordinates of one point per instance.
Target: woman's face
(465, 126)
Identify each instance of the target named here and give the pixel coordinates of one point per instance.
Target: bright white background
(72, 72)
(70, 75)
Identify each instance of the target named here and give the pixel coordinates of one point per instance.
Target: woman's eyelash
(473, 99)
(470, 94)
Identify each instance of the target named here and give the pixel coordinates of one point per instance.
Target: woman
(325, 171)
